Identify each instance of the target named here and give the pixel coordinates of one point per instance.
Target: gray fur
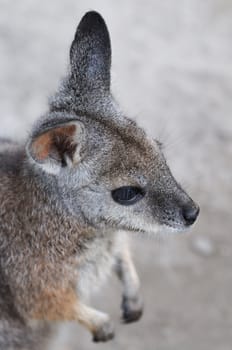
(60, 229)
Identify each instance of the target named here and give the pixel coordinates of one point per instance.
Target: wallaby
(85, 178)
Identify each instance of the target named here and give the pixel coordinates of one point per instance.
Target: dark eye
(127, 195)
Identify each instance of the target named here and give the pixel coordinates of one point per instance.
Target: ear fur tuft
(57, 147)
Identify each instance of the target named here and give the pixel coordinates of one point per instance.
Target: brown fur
(60, 225)
(55, 305)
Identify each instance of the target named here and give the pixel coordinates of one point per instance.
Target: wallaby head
(105, 167)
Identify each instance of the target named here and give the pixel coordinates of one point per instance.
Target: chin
(153, 229)
(173, 229)
(164, 229)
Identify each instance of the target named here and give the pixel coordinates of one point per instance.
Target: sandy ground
(172, 72)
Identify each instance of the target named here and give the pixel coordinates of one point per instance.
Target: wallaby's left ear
(57, 147)
(90, 53)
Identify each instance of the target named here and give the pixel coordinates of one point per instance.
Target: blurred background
(172, 72)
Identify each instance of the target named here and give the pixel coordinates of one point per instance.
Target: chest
(96, 264)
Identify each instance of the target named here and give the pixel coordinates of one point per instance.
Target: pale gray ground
(172, 63)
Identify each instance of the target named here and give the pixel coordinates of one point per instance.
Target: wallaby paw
(132, 309)
(104, 333)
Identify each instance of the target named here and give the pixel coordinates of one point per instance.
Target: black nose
(190, 214)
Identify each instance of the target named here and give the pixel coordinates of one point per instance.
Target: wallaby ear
(57, 147)
(90, 53)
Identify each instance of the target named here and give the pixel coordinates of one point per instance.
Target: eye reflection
(128, 195)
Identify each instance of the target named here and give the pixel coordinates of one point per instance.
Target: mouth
(153, 228)
(121, 227)
(132, 229)
(164, 228)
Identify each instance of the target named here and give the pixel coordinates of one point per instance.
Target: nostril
(190, 214)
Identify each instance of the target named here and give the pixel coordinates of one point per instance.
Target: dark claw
(103, 334)
(132, 309)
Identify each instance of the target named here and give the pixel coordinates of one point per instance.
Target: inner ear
(60, 145)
